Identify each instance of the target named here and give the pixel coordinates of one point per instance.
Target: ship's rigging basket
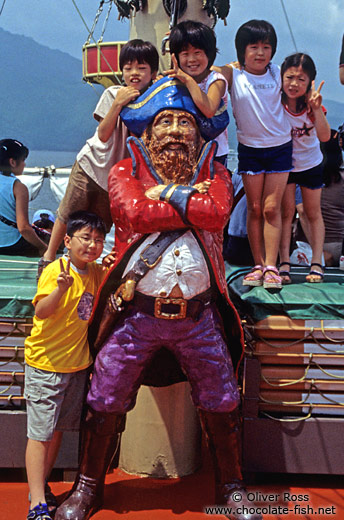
(100, 63)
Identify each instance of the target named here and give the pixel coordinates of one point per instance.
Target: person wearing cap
(43, 218)
(43, 223)
(17, 237)
(171, 188)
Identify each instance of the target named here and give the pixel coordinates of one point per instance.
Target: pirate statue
(169, 202)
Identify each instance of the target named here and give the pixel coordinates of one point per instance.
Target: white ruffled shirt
(182, 264)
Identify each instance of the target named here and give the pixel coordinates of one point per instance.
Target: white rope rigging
(289, 26)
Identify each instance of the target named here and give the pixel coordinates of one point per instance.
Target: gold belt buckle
(166, 315)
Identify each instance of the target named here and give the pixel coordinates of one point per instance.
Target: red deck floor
(135, 498)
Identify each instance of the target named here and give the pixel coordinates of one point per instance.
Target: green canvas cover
(17, 286)
(299, 300)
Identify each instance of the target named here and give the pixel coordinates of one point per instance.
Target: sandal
(39, 512)
(285, 275)
(272, 279)
(42, 264)
(312, 273)
(255, 277)
(50, 499)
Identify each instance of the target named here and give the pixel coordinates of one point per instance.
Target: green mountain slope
(43, 100)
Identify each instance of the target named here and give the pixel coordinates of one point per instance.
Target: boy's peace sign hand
(314, 97)
(64, 279)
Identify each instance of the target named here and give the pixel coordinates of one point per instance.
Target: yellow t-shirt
(59, 343)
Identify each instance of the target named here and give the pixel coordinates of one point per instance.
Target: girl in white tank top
(264, 148)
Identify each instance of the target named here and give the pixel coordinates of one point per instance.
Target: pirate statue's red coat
(180, 303)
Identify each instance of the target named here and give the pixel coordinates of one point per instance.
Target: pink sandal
(272, 279)
(255, 277)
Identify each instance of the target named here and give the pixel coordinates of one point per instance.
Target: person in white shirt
(265, 146)
(87, 186)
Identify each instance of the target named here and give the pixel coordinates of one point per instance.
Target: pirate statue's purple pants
(199, 347)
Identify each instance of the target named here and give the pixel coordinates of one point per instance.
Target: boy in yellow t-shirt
(56, 353)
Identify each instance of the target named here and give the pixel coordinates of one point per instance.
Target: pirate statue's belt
(173, 308)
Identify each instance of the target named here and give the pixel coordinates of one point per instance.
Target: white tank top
(259, 114)
(222, 139)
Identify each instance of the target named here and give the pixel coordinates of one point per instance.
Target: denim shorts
(275, 159)
(53, 401)
(312, 178)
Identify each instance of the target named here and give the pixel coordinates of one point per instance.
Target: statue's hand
(125, 292)
(203, 187)
(154, 192)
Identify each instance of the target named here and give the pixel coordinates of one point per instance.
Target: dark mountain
(45, 104)
(43, 101)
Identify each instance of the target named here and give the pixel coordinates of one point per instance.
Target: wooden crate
(293, 396)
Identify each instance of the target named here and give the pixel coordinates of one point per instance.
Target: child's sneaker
(39, 512)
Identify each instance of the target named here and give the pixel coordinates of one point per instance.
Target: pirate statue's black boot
(101, 434)
(223, 435)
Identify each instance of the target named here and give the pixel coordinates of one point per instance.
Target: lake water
(44, 158)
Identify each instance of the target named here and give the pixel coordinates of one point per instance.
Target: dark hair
(307, 64)
(11, 149)
(80, 219)
(332, 159)
(143, 52)
(251, 32)
(196, 34)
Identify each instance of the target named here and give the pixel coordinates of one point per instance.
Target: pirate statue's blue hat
(166, 94)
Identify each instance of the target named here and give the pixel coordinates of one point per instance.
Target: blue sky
(317, 27)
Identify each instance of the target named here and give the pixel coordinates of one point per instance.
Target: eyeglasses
(87, 241)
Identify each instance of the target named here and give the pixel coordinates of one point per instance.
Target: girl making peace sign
(302, 104)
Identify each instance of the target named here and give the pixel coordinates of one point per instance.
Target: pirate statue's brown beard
(173, 159)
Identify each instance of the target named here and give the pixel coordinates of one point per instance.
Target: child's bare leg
(304, 221)
(274, 186)
(53, 450)
(311, 204)
(35, 460)
(57, 234)
(253, 185)
(288, 212)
